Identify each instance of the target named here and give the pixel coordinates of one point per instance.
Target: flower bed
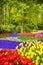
(14, 35)
(38, 35)
(26, 34)
(8, 44)
(4, 34)
(32, 50)
(12, 57)
(21, 34)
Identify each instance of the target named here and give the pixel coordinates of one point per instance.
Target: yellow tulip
(30, 54)
(40, 52)
(37, 62)
(28, 57)
(41, 64)
(27, 42)
(16, 47)
(38, 57)
(20, 50)
(21, 44)
(22, 54)
(42, 59)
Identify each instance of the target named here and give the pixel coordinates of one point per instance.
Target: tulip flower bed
(26, 34)
(32, 50)
(12, 57)
(8, 44)
(4, 34)
(38, 35)
(21, 36)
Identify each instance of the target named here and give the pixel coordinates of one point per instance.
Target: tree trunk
(22, 29)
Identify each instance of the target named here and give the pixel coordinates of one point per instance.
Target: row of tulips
(32, 50)
(31, 34)
(21, 34)
(12, 57)
(4, 34)
(26, 34)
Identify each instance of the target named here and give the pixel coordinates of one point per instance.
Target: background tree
(21, 15)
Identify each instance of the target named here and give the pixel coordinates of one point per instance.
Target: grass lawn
(25, 38)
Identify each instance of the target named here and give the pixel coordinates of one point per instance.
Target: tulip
(12, 57)
(6, 63)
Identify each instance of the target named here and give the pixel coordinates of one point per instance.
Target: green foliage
(14, 12)
(27, 38)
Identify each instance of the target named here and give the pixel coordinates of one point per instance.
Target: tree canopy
(19, 15)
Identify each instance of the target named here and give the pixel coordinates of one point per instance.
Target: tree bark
(22, 29)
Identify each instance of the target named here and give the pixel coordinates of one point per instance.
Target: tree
(21, 15)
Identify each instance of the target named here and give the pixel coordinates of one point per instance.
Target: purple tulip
(14, 35)
(41, 40)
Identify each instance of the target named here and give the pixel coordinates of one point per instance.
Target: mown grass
(25, 38)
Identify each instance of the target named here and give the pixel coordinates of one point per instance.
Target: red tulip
(15, 61)
(11, 57)
(11, 64)
(6, 63)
